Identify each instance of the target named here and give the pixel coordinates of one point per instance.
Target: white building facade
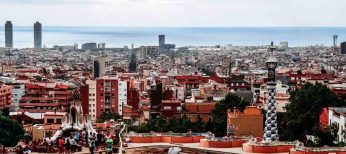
(337, 115)
(92, 98)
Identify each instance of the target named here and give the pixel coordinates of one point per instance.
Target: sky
(175, 13)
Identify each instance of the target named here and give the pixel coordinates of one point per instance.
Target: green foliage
(6, 112)
(106, 116)
(326, 137)
(302, 116)
(219, 115)
(218, 125)
(159, 124)
(10, 131)
(206, 71)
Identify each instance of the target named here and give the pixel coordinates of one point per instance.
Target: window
(58, 121)
(166, 107)
(50, 121)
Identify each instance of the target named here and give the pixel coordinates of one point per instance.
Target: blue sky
(173, 13)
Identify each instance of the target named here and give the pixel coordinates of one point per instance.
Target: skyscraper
(343, 47)
(8, 34)
(161, 40)
(38, 35)
(335, 40)
(102, 66)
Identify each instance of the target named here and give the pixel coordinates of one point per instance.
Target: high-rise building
(335, 40)
(163, 47)
(101, 45)
(107, 95)
(343, 47)
(8, 34)
(89, 46)
(37, 35)
(92, 98)
(161, 40)
(102, 66)
(122, 96)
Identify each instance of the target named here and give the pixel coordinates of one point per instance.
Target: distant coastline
(181, 36)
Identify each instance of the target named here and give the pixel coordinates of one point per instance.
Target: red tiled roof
(32, 86)
(145, 108)
(61, 86)
(324, 117)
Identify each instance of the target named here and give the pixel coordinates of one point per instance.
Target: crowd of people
(96, 142)
(70, 143)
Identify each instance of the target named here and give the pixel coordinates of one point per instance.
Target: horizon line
(101, 26)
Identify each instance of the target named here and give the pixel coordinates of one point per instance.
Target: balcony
(42, 104)
(43, 98)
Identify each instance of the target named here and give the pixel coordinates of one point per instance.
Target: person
(86, 137)
(92, 145)
(67, 145)
(76, 136)
(26, 149)
(72, 145)
(45, 145)
(49, 145)
(21, 143)
(20, 150)
(90, 137)
(61, 144)
(27, 137)
(109, 144)
(99, 137)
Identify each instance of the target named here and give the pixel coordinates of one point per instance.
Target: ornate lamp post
(271, 130)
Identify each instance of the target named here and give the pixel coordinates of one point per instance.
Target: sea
(181, 36)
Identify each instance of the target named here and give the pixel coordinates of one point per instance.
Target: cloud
(176, 12)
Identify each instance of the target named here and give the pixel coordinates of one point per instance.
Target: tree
(10, 131)
(182, 125)
(302, 114)
(106, 116)
(326, 136)
(6, 112)
(219, 114)
(199, 125)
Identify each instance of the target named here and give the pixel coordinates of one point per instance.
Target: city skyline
(140, 13)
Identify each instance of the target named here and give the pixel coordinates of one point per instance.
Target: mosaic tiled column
(271, 130)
